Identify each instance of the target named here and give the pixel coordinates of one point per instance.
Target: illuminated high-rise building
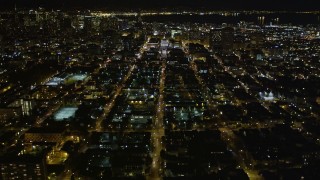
(215, 40)
(25, 104)
(257, 40)
(87, 23)
(227, 38)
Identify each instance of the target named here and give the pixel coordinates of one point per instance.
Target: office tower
(227, 37)
(215, 40)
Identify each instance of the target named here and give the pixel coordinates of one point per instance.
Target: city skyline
(147, 4)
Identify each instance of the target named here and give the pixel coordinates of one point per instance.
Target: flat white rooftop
(79, 77)
(65, 113)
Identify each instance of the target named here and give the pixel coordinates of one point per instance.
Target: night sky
(295, 5)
